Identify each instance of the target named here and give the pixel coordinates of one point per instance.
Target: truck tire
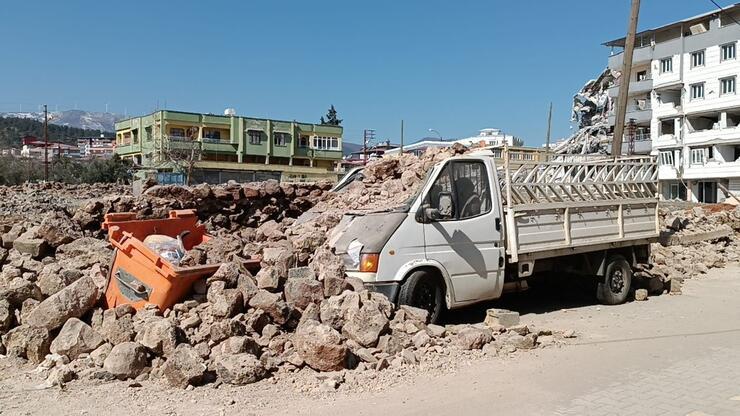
(615, 286)
(423, 290)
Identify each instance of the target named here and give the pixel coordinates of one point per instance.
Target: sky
(452, 66)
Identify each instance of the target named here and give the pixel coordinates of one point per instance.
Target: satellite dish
(230, 112)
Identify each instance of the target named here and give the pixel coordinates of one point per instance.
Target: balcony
(639, 55)
(636, 87)
(712, 169)
(718, 134)
(641, 113)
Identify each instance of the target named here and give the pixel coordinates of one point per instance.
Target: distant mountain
(87, 120)
(348, 148)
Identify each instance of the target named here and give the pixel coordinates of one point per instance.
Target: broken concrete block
(28, 243)
(184, 367)
(501, 317)
(675, 285)
(126, 360)
(240, 369)
(75, 338)
(28, 342)
(71, 302)
(320, 346)
(641, 294)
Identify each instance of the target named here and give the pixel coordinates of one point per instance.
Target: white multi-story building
(683, 94)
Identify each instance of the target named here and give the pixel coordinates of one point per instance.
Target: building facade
(683, 96)
(231, 147)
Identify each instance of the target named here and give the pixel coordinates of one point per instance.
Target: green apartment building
(231, 147)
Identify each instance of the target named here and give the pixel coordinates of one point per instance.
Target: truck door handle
(498, 224)
(500, 261)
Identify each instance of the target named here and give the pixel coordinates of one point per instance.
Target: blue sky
(454, 66)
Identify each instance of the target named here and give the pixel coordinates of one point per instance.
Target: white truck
(474, 231)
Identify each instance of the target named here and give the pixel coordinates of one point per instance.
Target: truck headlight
(369, 262)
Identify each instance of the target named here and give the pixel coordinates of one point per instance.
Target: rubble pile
(35, 199)
(297, 314)
(694, 240)
(591, 109)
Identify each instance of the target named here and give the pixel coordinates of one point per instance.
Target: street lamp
(435, 131)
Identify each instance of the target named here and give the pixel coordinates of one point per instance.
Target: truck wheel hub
(616, 281)
(425, 297)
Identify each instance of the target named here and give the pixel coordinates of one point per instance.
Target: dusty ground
(670, 355)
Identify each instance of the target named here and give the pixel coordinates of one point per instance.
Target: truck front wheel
(615, 286)
(423, 290)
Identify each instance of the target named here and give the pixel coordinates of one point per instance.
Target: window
(281, 139)
(697, 91)
(699, 156)
(728, 52)
(303, 141)
(467, 184)
(212, 134)
(255, 137)
(642, 76)
(666, 65)
(326, 143)
(727, 86)
(697, 59)
(177, 132)
(666, 158)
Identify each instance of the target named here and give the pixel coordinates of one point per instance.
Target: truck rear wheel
(423, 290)
(615, 287)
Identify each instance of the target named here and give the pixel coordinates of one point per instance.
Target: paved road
(671, 355)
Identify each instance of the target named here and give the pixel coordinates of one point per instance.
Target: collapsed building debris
(297, 317)
(591, 109)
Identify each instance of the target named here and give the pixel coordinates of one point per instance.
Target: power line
(722, 10)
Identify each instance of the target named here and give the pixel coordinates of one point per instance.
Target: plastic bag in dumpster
(138, 274)
(167, 247)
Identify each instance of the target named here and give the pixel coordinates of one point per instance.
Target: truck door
(466, 239)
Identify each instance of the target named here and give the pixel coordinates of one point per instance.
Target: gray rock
(184, 367)
(641, 294)
(471, 338)
(240, 369)
(273, 304)
(158, 335)
(126, 360)
(117, 330)
(28, 342)
(501, 317)
(366, 325)
(6, 316)
(299, 293)
(320, 346)
(71, 302)
(75, 338)
(28, 243)
(225, 302)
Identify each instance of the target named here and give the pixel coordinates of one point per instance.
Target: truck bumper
(389, 289)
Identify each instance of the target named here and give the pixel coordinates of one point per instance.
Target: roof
(620, 42)
(226, 116)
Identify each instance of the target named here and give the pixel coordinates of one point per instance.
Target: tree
(331, 117)
(517, 142)
(183, 155)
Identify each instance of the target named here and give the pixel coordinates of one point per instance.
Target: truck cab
(444, 247)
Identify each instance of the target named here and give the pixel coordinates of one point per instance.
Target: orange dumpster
(138, 274)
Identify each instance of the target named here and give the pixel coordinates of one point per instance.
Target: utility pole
(46, 144)
(629, 47)
(549, 126)
(367, 136)
(401, 137)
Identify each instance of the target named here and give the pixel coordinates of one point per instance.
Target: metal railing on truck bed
(573, 203)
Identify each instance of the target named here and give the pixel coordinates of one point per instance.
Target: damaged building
(684, 103)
